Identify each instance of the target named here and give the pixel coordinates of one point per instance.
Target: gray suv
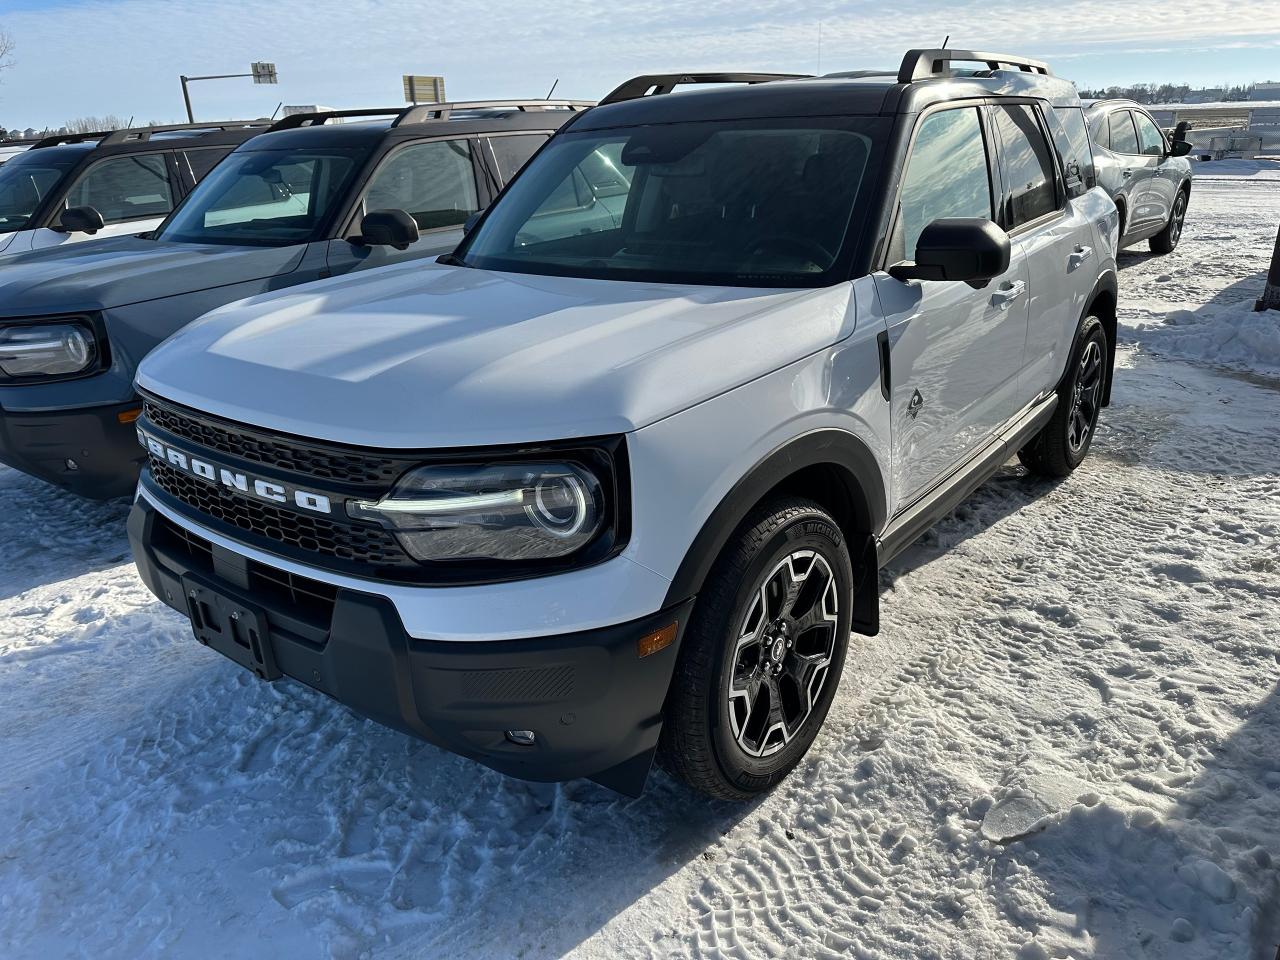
(1147, 175)
(306, 200)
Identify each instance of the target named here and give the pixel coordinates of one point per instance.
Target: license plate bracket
(235, 629)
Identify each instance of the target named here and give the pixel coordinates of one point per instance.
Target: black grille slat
(315, 534)
(305, 460)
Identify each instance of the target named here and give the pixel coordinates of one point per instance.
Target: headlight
(504, 511)
(46, 349)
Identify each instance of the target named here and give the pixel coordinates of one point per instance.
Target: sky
(78, 58)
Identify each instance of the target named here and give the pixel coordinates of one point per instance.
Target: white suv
(615, 478)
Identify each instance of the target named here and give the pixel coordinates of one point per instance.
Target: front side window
(1150, 140)
(433, 182)
(201, 161)
(1124, 139)
(26, 181)
(748, 203)
(266, 197)
(125, 188)
(947, 176)
(513, 152)
(1026, 165)
(1100, 131)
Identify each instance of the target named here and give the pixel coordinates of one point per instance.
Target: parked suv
(605, 483)
(308, 199)
(73, 187)
(1147, 174)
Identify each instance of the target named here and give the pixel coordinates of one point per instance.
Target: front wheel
(1062, 443)
(763, 653)
(1167, 239)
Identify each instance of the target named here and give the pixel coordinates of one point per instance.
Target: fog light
(525, 738)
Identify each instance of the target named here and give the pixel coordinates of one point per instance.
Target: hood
(6, 239)
(422, 356)
(99, 274)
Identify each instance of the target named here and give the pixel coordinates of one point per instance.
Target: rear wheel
(763, 653)
(1167, 239)
(1063, 442)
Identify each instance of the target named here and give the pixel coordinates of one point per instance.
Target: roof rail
(424, 112)
(656, 84)
(927, 64)
(127, 134)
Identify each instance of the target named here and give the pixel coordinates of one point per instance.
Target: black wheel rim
(783, 653)
(1085, 397)
(1179, 214)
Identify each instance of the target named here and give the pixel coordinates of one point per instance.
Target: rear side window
(125, 188)
(1072, 139)
(202, 161)
(947, 176)
(1150, 141)
(514, 152)
(432, 182)
(1026, 165)
(1124, 139)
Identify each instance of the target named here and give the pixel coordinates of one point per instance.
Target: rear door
(133, 192)
(435, 182)
(955, 348)
(1045, 216)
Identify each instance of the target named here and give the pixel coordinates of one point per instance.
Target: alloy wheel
(784, 649)
(1085, 397)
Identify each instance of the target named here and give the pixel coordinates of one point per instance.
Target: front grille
(371, 546)
(295, 456)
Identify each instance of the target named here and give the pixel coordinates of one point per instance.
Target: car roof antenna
(553, 88)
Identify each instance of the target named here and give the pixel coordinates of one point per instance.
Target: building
(1265, 91)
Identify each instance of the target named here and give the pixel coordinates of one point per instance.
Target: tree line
(1166, 92)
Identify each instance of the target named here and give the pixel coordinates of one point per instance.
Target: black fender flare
(856, 466)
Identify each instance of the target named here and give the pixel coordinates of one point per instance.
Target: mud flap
(628, 778)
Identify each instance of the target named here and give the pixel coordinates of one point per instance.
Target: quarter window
(947, 175)
(1124, 139)
(1073, 146)
(125, 188)
(433, 182)
(1149, 137)
(1026, 165)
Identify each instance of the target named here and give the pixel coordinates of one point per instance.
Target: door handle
(1009, 293)
(1078, 256)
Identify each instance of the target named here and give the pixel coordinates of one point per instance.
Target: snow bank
(1261, 169)
(1232, 335)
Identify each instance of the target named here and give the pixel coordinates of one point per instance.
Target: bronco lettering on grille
(234, 480)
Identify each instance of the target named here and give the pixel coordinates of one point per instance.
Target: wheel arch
(829, 466)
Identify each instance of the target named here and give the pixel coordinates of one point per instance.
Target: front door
(1161, 189)
(434, 181)
(134, 193)
(955, 348)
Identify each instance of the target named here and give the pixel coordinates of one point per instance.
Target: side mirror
(470, 223)
(1180, 146)
(964, 248)
(81, 220)
(388, 228)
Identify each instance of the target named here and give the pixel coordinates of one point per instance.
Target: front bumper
(105, 451)
(593, 703)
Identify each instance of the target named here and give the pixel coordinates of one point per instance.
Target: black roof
(925, 77)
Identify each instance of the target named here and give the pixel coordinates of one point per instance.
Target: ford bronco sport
(308, 199)
(73, 187)
(615, 477)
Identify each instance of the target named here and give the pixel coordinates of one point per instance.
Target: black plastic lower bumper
(104, 451)
(593, 704)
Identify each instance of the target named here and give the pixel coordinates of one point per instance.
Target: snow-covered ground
(1065, 742)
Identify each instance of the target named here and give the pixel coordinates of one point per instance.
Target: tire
(1167, 239)
(1063, 442)
(773, 617)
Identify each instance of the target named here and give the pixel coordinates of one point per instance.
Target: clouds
(129, 53)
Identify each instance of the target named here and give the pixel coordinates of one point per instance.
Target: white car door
(955, 348)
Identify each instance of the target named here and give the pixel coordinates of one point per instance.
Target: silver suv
(1147, 174)
(614, 479)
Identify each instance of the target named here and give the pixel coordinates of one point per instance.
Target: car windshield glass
(26, 180)
(265, 198)
(746, 203)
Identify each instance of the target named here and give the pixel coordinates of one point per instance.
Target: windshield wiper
(450, 260)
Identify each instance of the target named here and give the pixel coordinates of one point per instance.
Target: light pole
(261, 73)
(1271, 292)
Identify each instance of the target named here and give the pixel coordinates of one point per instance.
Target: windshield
(747, 203)
(26, 180)
(265, 197)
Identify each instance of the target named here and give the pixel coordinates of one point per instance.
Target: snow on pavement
(1065, 742)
